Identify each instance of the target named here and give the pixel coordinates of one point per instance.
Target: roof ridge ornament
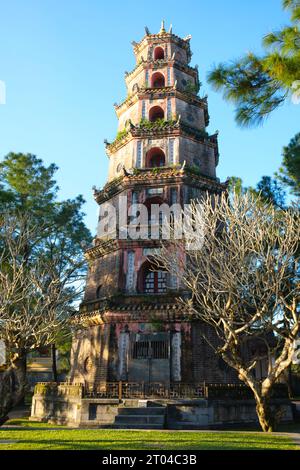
(147, 31)
(183, 167)
(170, 29)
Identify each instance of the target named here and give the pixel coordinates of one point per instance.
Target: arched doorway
(155, 113)
(155, 158)
(157, 80)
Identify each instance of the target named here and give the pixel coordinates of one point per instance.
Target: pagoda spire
(162, 28)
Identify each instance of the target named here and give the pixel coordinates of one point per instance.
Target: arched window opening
(159, 53)
(156, 113)
(152, 280)
(155, 158)
(157, 80)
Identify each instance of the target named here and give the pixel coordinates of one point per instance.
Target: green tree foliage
(28, 186)
(258, 85)
(273, 189)
(235, 185)
(38, 291)
(28, 189)
(268, 190)
(289, 173)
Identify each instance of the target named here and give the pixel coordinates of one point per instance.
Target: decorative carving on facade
(176, 357)
(123, 354)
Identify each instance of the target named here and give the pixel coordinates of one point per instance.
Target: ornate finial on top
(147, 31)
(134, 43)
(162, 28)
(170, 29)
(188, 38)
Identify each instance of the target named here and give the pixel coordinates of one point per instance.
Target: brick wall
(207, 365)
(103, 272)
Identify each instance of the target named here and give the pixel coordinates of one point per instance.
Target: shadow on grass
(25, 423)
(136, 440)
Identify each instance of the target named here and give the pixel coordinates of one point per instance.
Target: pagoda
(130, 328)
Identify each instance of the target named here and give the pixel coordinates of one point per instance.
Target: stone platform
(68, 406)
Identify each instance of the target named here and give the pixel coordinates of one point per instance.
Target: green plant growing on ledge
(120, 135)
(155, 171)
(191, 89)
(157, 325)
(193, 169)
(158, 124)
(113, 182)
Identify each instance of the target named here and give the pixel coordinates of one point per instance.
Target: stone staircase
(151, 417)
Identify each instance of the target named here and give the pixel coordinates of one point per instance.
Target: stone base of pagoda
(67, 404)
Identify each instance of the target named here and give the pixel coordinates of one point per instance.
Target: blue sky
(63, 63)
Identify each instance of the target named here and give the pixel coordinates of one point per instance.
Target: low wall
(64, 404)
(220, 413)
(57, 403)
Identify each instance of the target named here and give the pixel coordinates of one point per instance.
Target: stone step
(139, 419)
(137, 426)
(142, 411)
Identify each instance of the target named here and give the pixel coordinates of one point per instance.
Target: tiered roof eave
(171, 90)
(157, 176)
(168, 129)
(159, 63)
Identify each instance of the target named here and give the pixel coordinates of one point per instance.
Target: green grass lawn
(42, 436)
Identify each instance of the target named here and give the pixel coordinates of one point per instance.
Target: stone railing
(124, 390)
(141, 390)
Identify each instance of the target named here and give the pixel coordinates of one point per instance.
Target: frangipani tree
(37, 296)
(243, 277)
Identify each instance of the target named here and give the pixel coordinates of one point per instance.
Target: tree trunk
(13, 385)
(54, 365)
(290, 383)
(264, 414)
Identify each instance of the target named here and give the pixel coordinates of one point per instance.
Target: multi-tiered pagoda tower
(131, 326)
